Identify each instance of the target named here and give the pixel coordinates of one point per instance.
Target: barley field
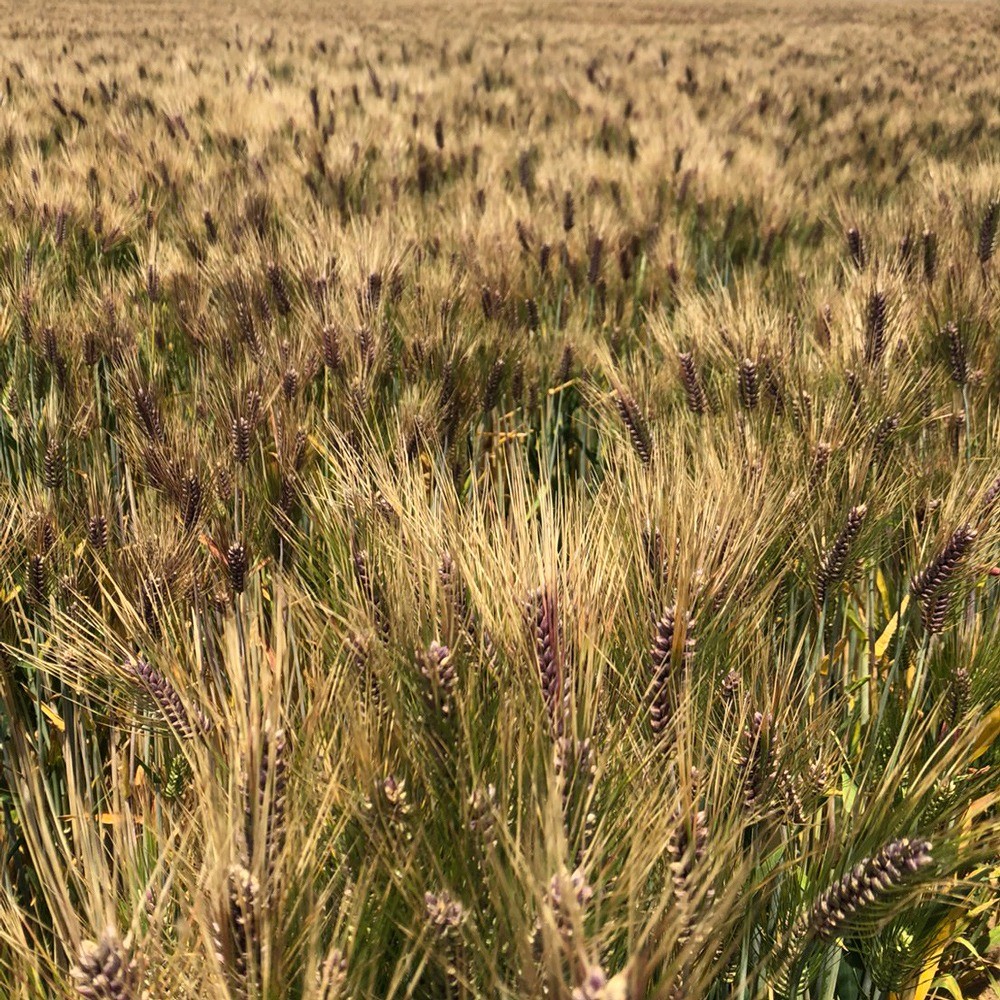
(499, 501)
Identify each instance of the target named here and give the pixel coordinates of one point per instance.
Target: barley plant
(499, 501)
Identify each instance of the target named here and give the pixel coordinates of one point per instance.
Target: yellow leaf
(933, 959)
(989, 729)
(882, 643)
(883, 590)
(54, 717)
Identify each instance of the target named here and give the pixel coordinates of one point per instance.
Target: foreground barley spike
(55, 466)
(482, 813)
(934, 611)
(234, 930)
(831, 569)
(274, 771)
(565, 369)
(990, 497)
(166, 698)
(638, 430)
(104, 969)
(821, 459)
(569, 212)
(594, 266)
(97, 532)
(749, 384)
(332, 357)
(661, 693)
(239, 434)
(696, 399)
(37, 580)
(868, 882)
(880, 436)
(758, 763)
(942, 567)
(236, 566)
(491, 392)
(856, 247)
(191, 497)
(988, 231)
(730, 686)
(929, 244)
(279, 288)
(549, 656)
(688, 840)
(956, 355)
(531, 314)
(148, 413)
(370, 589)
(875, 324)
(439, 671)
(959, 693)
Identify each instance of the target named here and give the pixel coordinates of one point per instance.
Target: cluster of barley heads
(499, 509)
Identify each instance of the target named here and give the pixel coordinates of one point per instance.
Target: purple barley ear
(237, 563)
(594, 264)
(439, 672)
(167, 700)
(148, 413)
(531, 315)
(332, 355)
(875, 327)
(191, 499)
(761, 750)
(697, 401)
(821, 459)
(834, 563)
(272, 774)
(569, 212)
(856, 248)
(290, 383)
(565, 369)
(638, 430)
(97, 532)
(54, 466)
(661, 689)
(882, 433)
(494, 381)
(234, 931)
(37, 580)
(330, 976)
(928, 243)
(957, 359)
(444, 913)
(279, 288)
(593, 986)
(867, 883)
(940, 570)
(730, 689)
(990, 497)
(482, 813)
(240, 433)
(688, 840)
(451, 584)
(104, 969)
(544, 612)
(749, 384)
(370, 589)
(934, 611)
(988, 232)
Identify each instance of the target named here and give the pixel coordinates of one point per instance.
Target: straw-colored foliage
(499, 502)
